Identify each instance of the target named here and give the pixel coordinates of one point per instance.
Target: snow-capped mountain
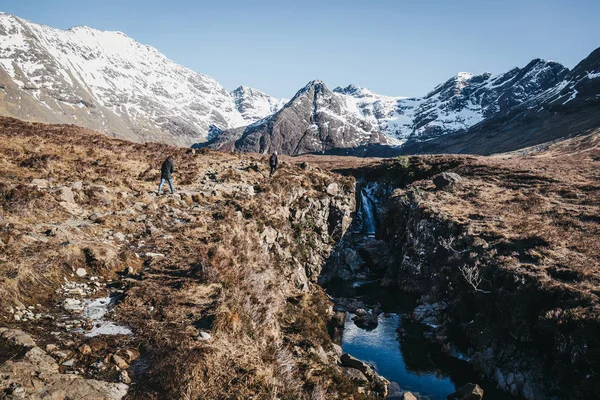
(108, 82)
(457, 104)
(254, 104)
(318, 120)
(314, 120)
(570, 106)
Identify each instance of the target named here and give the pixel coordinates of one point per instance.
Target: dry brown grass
(217, 273)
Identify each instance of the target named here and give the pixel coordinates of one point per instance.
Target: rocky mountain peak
(255, 105)
(354, 90)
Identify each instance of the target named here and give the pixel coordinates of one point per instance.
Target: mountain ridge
(107, 81)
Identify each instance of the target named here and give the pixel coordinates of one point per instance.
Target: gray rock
(203, 336)
(40, 183)
(447, 180)
(355, 376)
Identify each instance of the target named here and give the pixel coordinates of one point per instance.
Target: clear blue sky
(393, 47)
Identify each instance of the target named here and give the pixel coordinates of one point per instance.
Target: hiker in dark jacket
(165, 175)
(273, 163)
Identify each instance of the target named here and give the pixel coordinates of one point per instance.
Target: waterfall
(368, 213)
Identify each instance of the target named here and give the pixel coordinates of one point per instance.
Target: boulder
(332, 189)
(377, 255)
(408, 396)
(379, 384)
(447, 180)
(355, 376)
(366, 321)
(470, 391)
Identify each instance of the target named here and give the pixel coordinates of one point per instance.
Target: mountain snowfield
(109, 82)
(254, 104)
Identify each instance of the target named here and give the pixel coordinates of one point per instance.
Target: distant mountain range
(109, 82)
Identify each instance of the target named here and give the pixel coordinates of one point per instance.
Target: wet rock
(73, 305)
(380, 384)
(377, 255)
(470, 391)
(352, 260)
(366, 321)
(447, 180)
(408, 396)
(361, 312)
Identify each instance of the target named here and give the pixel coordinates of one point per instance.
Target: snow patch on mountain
(255, 105)
(138, 93)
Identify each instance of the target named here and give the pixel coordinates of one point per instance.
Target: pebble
(69, 363)
(203, 336)
(81, 272)
(124, 377)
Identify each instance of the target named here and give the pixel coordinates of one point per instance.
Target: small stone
(332, 189)
(119, 362)
(77, 185)
(69, 363)
(408, 396)
(51, 347)
(124, 377)
(85, 349)
(130, 354)
(81, 272)
(17, 317)
(119, 236)
(40, 183)
(203, 336)
(361, 312)
(470, 391)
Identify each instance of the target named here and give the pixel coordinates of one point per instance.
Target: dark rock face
(470, 391)
(315, 120)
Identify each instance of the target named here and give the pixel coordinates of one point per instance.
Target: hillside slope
(109, 82)
(216, 282)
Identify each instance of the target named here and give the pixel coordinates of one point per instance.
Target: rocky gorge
(217, 292)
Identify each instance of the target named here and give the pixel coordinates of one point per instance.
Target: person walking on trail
(165, 175)
(273, 163)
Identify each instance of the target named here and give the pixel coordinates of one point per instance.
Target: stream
(398, 350)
